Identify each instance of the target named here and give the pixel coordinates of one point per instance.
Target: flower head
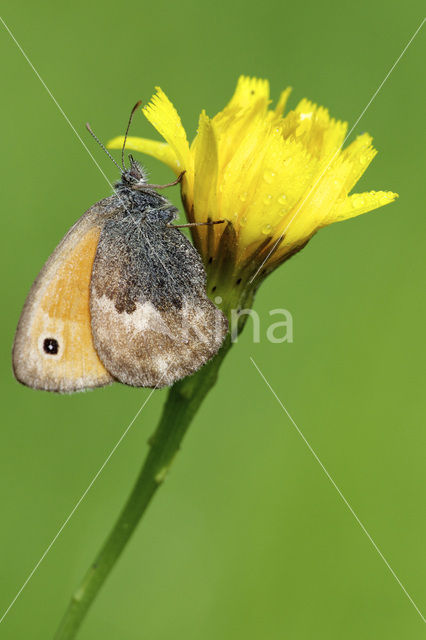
(276, 179)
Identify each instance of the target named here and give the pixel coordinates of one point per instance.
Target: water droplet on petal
(282, 199)
(266, 230)
(243, 196)
(267, 199)
(243, 221)
(384, 199)
(269, 176)
(358, 202)
(363, 158)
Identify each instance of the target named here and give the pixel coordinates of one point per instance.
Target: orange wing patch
(53, 347)
(67, 297)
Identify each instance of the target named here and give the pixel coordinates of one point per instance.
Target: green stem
(182, 403)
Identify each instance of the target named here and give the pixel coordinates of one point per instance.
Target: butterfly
(122, 298)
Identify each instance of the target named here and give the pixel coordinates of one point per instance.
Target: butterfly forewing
(53, 348)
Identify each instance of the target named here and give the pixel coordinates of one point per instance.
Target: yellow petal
(248, 91)
(160, 150)
(312, 125)
(206, 171)
(163, 116)
(205, 182)
(359, 203)
(360, 153)
(274, 181)
(244, 168)
(249, 102)
(279, 109)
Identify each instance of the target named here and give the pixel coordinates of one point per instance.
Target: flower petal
(163, 116)
(359, 203)
(160, 150)
(282, 101)
(312, 125)
(233, 124)
(205, 178)
(205, 182)
(248, 91)
(360, 153)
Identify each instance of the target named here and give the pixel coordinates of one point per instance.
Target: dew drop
(243, 221)
(269, 176)
(358, 202)
(363, 158)
(243, 196)
(266, 230)
(282, 198)
(267, 199)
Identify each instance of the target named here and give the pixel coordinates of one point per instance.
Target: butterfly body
(121, 298)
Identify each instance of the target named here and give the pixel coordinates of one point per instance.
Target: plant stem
(182, 403)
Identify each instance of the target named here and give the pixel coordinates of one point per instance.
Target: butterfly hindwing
(152, 322)
(53, 348)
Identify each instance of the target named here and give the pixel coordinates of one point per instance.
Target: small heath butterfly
(122, 298)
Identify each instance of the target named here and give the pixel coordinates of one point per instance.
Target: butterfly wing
(152, 322)
(53, 348)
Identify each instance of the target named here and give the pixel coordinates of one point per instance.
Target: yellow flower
(277, 179)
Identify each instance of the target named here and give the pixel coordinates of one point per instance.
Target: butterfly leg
(170, 184)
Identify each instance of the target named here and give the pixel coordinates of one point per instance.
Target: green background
(247, 539)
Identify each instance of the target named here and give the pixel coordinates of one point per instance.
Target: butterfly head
(134, 177)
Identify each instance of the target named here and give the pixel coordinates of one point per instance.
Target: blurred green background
(247, 539)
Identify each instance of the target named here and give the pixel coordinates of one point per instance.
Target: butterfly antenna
(137, 105)
(102, 146)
